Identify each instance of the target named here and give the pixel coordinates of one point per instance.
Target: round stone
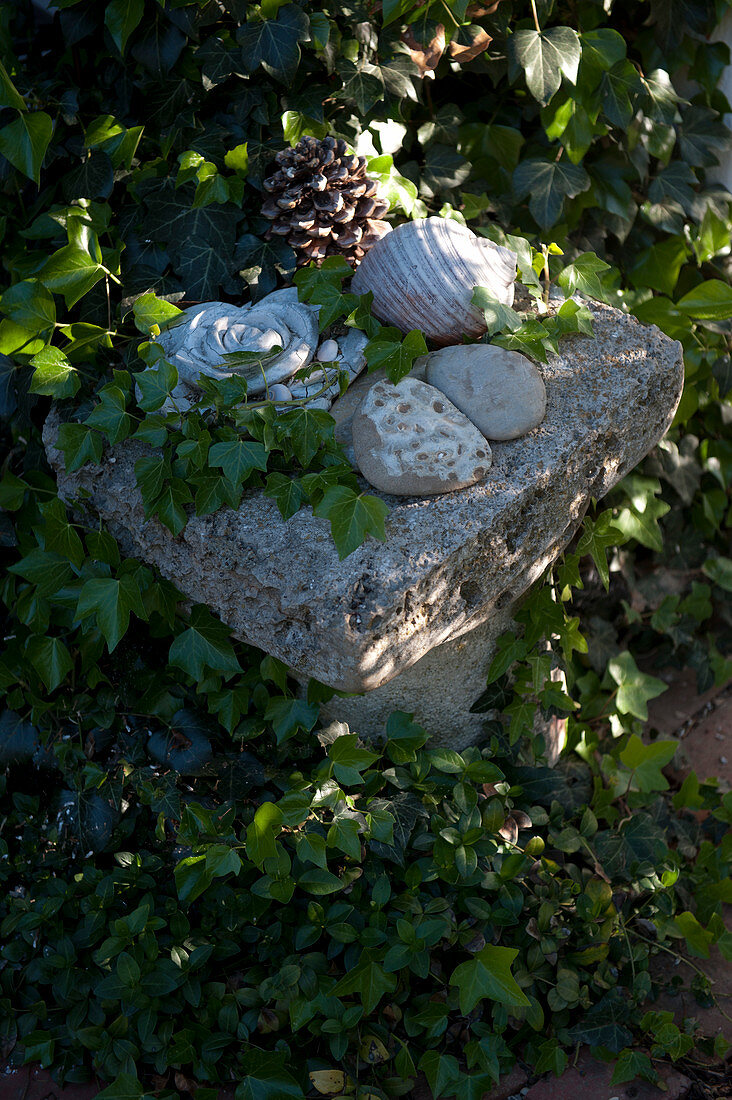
(501, 391)
(327, 352)
(411, 441)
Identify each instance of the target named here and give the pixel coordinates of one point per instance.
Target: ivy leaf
(58, 534)
(619, 90)
(111, 600)
(389, 352)
(238, 458)
(290, 715)
(488, 975)
(261, 842)
(47, 570)
(353, 516)
(260, 261)
(632, 1064)
(156, 384)
(50, 658)
(635, 688)
(286, 492)
(639, 520)
(170, 505)
(350, 759)
(149, 310)
(9, 94)
(584, 276)
(719, 571)
(274, 43)
(306, 429)
(603, 1024)
(8, 401)
(205, 644)
(546, 56)
(121, 17)
(150, 474)
(54, 375)
(79, 445)
(442, 1072)
(111, 415)
(363, 84)
(548, 183)
(710, 301)
(498, 317)
(369, 979)
(200, 239)
(265, 1078)
(124, 1087)
(597, 536)
(72, 272)
(24, 142)
(646, 761)
(30, 305)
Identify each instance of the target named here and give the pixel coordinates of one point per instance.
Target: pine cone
(322, 201)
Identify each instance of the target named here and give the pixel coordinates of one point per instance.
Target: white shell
(423, 273)
(197, 343)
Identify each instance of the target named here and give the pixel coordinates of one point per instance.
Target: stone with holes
(411, 441)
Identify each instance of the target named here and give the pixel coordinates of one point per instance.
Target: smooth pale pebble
(501, 391)
(327, 352)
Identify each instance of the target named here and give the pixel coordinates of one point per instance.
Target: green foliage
(195, 876)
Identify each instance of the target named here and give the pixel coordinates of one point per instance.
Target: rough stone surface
(411, 441)
(501, 391)
(447, 561)
(344, 407)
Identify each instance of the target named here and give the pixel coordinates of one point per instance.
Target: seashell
(423, 273)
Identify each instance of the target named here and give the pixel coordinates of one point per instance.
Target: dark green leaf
(121, 17)
(488, 975)
(548, 183)
(353, 516)
(53, 375)
(546, 56)
(205, 644)
(274, 43)
(24, 142)
(30, 305)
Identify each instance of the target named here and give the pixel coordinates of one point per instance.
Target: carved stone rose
(200, 340)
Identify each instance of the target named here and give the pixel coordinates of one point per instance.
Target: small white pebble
(723, 760)
(327, 351)
(278, 392)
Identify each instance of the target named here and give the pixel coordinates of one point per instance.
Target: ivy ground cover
(196, 882)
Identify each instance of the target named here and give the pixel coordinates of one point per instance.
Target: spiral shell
(423, 273)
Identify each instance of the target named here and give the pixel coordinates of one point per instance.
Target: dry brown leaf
(479, 45)
(426, 58)
(477, 11)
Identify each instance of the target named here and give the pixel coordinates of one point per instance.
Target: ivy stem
(683, 959)
(536, 17)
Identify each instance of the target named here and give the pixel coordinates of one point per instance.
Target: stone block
(450, 563)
